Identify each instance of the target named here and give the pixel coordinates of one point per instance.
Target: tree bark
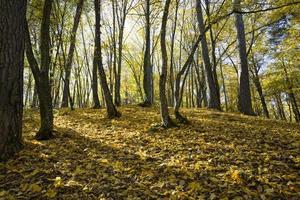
(68, 67)
(256, 81)
(245, 104)
(110, 107)
(12, 26)
(164, 111)
(41, 75)
(147, 81)
(291, 94)
(171, 77)
(178, 89)
(213, 99)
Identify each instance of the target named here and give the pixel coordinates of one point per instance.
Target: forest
(149, 99)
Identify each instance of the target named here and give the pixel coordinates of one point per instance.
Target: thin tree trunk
(110, 107)
(68, 67)
(164, 111)
(213, 101)
(280, 108)
(224, 86)
(178, 89)
(41, 75)
(171, 78)
(291, 94)
(147, 81)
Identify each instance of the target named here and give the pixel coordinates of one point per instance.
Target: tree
(41, 75)
(68, 67)
(12, 26)
(213, 97)
(164, 111)
(147, 81)
(110, 107)
(245, 104)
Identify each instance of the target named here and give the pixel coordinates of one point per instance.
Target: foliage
(218, 156)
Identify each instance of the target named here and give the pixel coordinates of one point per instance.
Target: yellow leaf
(2, 193)
(50, 193)
(105, 161)
(57, 182)
(35, 188)
(194, 186)
(235, 175)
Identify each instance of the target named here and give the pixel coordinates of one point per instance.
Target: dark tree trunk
(171, 77)
(44, 88)
(224, 86)
(280, 108)
(258, 87)
(164, 111)
(12, 37)
(213, 52)
(245, 104)
(213, 97)
(147, 81)
(41, 75)
(95, 84)
(110, 107)
(68, 67)
(291, 94)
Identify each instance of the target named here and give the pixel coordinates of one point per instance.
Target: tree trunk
(280, 108)
(95, 81)
(68, 67)
(224, 86)
(213, 99)
(147, 81)
(12, 26)
(164, 111)
(41, 76)
(110, 107)
(171, 77)
(291, 94)
(258, 87)
(245, 104)
(178, 89)
(213, 52)
(44, 88)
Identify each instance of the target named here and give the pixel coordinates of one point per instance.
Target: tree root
(180, 118)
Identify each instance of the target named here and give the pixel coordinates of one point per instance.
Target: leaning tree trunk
(12, 26)
(213, 97)
(178, 90)
(68, 67)
(256, 81)
(147, 82)
(245, 105)
(164, 111)
(110, 107)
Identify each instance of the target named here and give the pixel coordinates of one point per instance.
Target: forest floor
(218, 156)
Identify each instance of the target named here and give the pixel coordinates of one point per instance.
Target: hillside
(218, 156)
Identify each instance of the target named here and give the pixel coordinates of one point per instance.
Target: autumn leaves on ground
(219, 155)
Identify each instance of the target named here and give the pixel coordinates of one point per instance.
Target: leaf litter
(218, 156)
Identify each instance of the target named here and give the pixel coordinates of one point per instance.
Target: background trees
(132, 55)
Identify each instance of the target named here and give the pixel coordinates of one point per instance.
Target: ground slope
(218, 156)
